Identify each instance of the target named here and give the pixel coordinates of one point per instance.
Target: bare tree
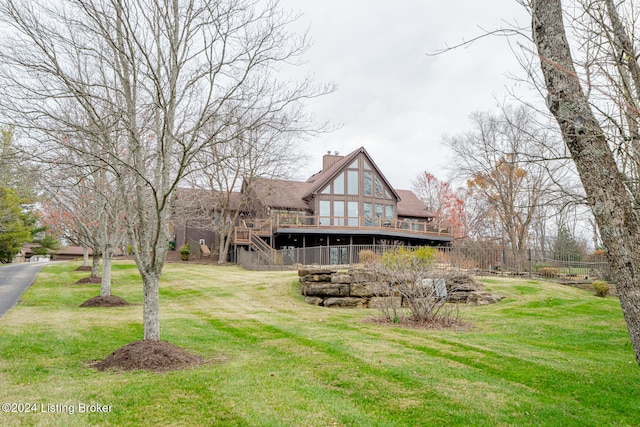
(155, 82)
(222, 171)
(495, 160)
(609, 194)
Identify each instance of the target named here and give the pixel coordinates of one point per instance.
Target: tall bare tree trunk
(107, 257)
(85, 256)
(95, 263)
(151, 308)
(608, 197)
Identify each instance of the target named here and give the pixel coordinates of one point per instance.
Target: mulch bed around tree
(110, 301)
(156, 356)
(438, 325)
(83, 268)
(89, 280)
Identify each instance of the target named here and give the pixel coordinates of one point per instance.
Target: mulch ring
(155, 356)
(89, 280)
(438, 325)
(109, 301)
(83, 268)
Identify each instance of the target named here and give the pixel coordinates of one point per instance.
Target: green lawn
(546, 355)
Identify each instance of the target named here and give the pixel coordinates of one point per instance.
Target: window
(325, 212)
(378, 188)
(338, 255)
(352, 182)
(338, 184)
(354, 165)
(368, 184)
(327, 190)
(388, 211)
(378, 214)
(368, 214)
(338, 212)
(352, 213)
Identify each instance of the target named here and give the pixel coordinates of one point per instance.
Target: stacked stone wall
(357, 289)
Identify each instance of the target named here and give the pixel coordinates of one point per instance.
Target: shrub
(185, 252)
(408, 258)
(548, 272)
(407, 291)
(601, 287)
(367, 256)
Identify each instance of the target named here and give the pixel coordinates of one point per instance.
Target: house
(348, 203)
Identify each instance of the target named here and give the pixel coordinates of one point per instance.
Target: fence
(335, 256)
(478, 260)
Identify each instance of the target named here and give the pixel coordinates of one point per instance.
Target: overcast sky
(392, 98)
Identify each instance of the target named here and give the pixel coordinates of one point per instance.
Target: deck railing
(297, 220)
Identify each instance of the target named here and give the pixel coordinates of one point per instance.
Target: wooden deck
(361, 223)
(262, 228)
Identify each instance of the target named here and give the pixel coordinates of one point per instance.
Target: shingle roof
(207, 197)
(280, 193)
(410, 206)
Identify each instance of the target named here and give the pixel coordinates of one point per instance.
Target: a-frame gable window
(357, 196)
(338, 184)
(368, 184)
(373, 186)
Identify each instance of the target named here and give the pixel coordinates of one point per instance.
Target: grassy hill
(545, 355)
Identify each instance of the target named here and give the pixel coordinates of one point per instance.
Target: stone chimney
(329, 159)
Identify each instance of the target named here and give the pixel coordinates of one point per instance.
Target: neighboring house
(349, 202)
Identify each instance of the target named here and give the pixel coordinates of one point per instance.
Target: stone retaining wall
(356, 288)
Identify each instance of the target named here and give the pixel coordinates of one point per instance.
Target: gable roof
(324, 177)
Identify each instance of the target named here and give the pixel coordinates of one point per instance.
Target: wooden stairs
(251, 234)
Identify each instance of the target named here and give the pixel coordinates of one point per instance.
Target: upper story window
(378, 190)
(352, 182)
(361, 189)
(338, 184)
(373, 186)
(346, 182)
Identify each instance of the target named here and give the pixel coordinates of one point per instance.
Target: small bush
(409, 258)
(601, 288)
(548, 272)
(367, 256)
(185, 252)
(407, 293)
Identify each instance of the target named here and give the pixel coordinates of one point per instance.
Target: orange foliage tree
(441, 200)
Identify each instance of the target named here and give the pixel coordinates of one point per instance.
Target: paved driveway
(14, 280)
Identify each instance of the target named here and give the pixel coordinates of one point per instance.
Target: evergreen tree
(16, 225)
(566, 247)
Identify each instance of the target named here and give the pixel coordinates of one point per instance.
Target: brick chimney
(329, 159)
